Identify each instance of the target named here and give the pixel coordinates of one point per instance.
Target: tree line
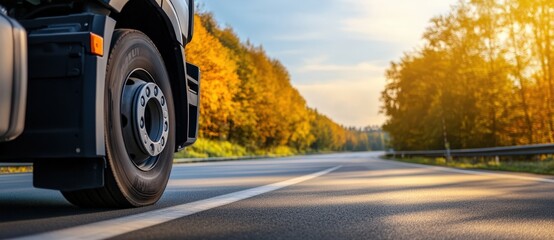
(247, 98)
(483, 78)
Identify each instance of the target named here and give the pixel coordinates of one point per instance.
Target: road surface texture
(334, 196)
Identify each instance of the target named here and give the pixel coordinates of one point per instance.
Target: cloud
(366, 67)
(305, 36)
(347, 93)
(400, 21)
(352, 103)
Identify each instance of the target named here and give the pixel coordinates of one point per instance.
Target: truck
(97, 95)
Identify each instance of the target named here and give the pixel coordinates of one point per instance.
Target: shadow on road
(376, 201)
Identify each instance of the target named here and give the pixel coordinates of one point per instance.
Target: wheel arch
(161, 26)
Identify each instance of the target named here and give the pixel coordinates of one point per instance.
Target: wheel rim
(144, 119)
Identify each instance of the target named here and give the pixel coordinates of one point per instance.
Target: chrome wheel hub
(144, 119)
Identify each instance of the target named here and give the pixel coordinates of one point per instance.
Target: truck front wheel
(139, 126)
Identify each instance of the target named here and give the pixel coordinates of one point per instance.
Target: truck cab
(98, 95)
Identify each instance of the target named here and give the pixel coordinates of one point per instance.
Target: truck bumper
(13, 78)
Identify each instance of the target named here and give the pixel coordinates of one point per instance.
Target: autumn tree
(483, 78)
(220, 85)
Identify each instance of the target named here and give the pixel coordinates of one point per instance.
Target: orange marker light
(96, 44)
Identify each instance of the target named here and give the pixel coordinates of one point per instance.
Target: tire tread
(110, 195)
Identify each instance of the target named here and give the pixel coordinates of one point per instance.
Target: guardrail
(524, 150)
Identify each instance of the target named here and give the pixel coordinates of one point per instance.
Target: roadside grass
(204, 148)
(538, 166)
(19, 169)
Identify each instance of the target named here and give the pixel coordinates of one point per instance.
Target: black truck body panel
(64, 116)
(193, 95)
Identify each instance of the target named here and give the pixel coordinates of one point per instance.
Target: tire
(139, 126)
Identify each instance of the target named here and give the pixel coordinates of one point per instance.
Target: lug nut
(142, 122)
(155, 91)
(142, 101)
(163, 101)
(163, 141)
(147, 91)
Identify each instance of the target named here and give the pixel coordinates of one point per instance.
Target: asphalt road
(335, 196)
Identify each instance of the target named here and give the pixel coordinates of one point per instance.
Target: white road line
(456, 170)
(118, 226)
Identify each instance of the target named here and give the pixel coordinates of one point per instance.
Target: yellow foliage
(220, 81)
(484, 78)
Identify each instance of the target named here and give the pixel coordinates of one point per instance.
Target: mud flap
(69, 174)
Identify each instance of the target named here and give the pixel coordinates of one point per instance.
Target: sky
(337, 51)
